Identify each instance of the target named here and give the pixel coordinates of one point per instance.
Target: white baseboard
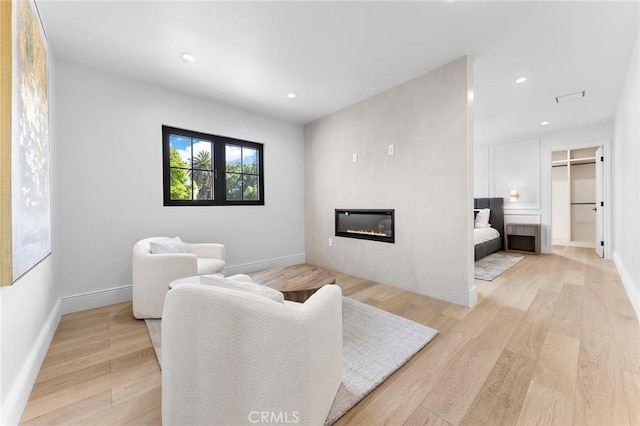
(632, 291)
(95, 299)
(110, 296)
(277, 262)
(16, 401)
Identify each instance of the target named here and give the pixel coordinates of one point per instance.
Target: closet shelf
(573, 161)
(585, 160)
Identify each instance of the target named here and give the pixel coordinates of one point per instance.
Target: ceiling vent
(570, 97)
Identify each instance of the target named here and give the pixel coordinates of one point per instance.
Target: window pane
(234, 186)
(202, 158)
(180, 148)
(250, 185)
(249, 160)
(180, 184)
(202, 185)
(233, 157)
(201, 172)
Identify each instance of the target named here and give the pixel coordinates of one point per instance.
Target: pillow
(170, 245)
(482, 219)
(247, 286)
(475, 213)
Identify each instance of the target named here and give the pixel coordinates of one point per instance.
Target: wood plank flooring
(554, 340)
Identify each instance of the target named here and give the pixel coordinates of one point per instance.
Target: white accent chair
(229, 357)
(152, 273)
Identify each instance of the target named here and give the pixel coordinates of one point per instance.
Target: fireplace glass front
(376, 225)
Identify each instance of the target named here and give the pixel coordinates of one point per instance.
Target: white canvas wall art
(30, 188)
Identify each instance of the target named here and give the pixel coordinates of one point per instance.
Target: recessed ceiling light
(521, 80)
(292, 95)
(544, 123)
(188, 57)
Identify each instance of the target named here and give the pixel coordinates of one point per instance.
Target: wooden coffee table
(297, 282)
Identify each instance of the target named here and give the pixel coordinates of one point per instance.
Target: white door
(600, 202)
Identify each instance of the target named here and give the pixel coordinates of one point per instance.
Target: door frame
(546, 185)
(599, 209)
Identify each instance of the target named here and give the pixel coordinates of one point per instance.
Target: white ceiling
(334, 54)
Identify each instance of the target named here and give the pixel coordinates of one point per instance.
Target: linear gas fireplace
(376, 225)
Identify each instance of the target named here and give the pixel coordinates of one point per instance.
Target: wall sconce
(514, 195)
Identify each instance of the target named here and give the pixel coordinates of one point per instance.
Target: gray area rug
(490, 267)
(375, 344)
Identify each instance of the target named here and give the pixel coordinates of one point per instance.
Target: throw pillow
(170, 245)
(482, 219)
(247, 286)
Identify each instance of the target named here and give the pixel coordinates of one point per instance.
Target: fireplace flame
(364, 232)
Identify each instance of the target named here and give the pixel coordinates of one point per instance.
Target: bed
(485, 243)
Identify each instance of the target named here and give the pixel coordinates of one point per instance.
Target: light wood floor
(552, 341)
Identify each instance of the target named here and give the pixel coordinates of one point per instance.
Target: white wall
(626, 182)
(481, 172)
(526, 163)
(108, 183)
(516, 166)
(427, 181)
(29, 315)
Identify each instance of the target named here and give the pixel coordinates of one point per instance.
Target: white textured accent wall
(428, 181)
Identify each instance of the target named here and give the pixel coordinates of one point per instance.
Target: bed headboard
(496, 219)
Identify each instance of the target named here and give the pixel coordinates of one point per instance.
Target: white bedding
(484, 234)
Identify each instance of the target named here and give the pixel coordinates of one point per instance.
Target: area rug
(375, 344)
(490, 267)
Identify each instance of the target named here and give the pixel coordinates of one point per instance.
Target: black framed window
(201, 169)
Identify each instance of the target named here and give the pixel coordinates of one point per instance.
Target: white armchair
(152, 273)
(229, 357)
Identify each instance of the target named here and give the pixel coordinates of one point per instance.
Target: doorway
(577, 198)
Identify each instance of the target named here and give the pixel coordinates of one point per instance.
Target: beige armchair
(152, 273)
(233, 357)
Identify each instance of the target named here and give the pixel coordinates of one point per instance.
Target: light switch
(330, 242)
(354, 157)
(390, 149)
